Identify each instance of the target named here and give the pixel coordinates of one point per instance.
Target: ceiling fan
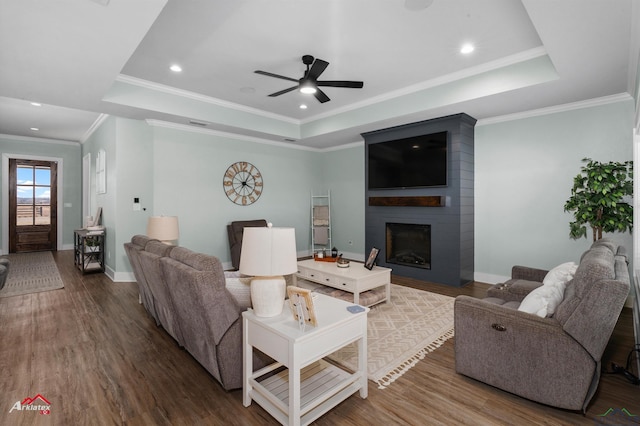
(309, 82)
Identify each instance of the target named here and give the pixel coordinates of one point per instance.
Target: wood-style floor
(93, 352)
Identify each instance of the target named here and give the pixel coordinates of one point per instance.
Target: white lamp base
(267, 295)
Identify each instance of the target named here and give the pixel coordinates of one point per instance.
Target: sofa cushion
(502, 302)
(199, 261)
(514, 290)
(240, 289)
(544, 300)
(596, 264)
(560, 274)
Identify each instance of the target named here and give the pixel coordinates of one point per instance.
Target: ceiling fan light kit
(309, 83)
(308, 88)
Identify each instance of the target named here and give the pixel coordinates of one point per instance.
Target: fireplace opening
(409, 244)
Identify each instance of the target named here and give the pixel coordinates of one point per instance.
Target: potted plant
(600, 198)
(92, 245)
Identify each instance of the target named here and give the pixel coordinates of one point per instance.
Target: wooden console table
(89, 250)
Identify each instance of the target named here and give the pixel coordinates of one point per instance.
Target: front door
(32, 205)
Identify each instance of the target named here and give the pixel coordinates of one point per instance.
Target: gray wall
(524, 170)
(129, 165)
(188, 168)
(524, 174)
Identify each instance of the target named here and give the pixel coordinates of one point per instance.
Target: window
(33, 195)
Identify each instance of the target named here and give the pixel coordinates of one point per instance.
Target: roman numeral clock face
(242, 183)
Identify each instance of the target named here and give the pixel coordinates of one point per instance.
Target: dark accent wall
(452, 233)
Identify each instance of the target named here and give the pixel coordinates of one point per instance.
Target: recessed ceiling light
(35, 129)
(417, 4)
(175, 68)
(36, 104)
(467, 48)
(303, 106)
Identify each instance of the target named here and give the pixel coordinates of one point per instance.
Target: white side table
(309, 386)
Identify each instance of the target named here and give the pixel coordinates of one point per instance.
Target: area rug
(401, 333)
(31, 273)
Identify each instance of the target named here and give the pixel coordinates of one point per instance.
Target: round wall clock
(242, 182)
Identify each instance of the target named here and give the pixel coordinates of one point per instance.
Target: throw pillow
(544, 300)
(560, 274)
(240, 289)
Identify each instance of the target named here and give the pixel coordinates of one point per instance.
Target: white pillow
(544, 300)
(240, 289)
(560, 274)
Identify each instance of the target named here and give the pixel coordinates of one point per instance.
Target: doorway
(33, 206)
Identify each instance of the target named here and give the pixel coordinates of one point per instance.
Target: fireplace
(408, 244)
(440, 248)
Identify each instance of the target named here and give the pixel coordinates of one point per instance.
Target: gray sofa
(192, 303)
(4, 271)
(553, 360)
(133, 249)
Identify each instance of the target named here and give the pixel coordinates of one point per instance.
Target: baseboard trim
(489, 278)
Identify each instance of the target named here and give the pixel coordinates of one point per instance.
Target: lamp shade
(268, 251)
(163, 228)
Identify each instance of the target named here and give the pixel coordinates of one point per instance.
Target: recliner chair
(553, 360)
(235, 231)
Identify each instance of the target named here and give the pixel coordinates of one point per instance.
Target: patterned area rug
(401, 333)
(31, 273)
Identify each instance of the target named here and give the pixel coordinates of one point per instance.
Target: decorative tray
(324, 259)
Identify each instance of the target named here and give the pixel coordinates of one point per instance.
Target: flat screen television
(415, 162)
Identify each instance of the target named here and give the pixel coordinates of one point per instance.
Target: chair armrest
(521, 353)
(519, 272)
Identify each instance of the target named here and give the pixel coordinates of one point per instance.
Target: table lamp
(163, 228)
(267, 254)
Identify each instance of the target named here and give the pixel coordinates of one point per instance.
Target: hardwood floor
(98, 358)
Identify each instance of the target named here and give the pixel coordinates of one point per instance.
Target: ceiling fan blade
(270, 74)
(282, 92)
(317, 68)
(321, 96)
(341, 83)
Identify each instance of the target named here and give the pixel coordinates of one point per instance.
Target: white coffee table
(309, 386)
(355, 279)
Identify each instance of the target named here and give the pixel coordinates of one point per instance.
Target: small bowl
(342, 263)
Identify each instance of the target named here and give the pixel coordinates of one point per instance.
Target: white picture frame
(101, 172)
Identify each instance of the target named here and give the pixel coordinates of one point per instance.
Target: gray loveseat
(553, 360)
(190, 300)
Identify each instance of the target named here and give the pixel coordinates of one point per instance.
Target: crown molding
(95, 126)
(193, 129)
(39, 140)
(201, 98)
(605, 100)
(449, 78)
